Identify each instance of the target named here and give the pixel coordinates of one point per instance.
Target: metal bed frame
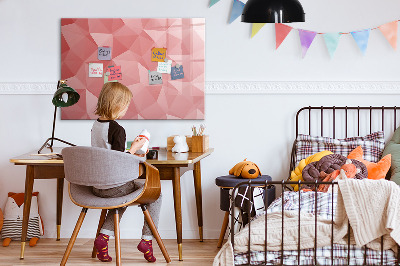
(283, 184)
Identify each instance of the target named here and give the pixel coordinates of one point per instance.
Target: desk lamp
(63, 97)
(273, 11)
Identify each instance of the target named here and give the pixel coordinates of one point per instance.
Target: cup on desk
(152, 155)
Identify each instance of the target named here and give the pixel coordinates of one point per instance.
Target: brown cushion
(328, 164)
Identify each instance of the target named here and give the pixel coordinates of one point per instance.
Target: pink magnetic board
(131, 42)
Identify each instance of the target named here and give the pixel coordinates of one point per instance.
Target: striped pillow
(372, 145)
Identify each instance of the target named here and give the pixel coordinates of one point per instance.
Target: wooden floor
(50, 252)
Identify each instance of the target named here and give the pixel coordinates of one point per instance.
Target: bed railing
(265, 185)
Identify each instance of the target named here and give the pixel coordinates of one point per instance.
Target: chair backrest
(92, 166)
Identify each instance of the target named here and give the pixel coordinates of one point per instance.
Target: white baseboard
(248, 87)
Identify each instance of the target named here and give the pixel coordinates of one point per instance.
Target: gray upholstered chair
(85, 167)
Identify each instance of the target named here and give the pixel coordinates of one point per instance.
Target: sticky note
(158, 54)
(177, 72)
(104, 53)
(95, 70)
(106, 78)
(155, 78)
(164, 67)
(115, 73)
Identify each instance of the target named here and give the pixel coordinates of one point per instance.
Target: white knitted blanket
(274, 235)
(373, 209)
(371, 206)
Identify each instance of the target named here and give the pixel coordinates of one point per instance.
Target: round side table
(226, 183)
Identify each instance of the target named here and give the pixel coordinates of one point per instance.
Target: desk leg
(199, 204)
(60, 190)
(176, 182)
(27, 206)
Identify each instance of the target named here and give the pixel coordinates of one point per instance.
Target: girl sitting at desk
(113, 102)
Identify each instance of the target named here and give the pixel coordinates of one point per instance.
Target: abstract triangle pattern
(361, 38)
(281, 31)
(389, 30)
(131, 41)
(237, 9)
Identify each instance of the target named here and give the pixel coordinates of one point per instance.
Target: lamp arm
(54, 126)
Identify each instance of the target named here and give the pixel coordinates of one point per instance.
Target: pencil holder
(200, 143)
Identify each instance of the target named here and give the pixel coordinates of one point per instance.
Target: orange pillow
(375, 170)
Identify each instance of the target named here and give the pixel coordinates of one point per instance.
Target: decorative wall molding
(303, 87)
(28, 88)
(251, 87)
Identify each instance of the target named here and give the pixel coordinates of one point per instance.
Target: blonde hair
(113, 98)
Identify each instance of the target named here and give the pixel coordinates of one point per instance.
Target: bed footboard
(379, 257)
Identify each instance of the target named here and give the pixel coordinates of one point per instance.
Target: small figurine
(180, 144)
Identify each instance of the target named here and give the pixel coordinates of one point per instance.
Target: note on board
(106, 74)
(95, 70)
(158, 54)
(104, 53)
(155, 78)
(177, 72)
(164, 67)
(115, 73)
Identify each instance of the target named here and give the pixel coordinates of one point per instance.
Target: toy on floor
(13, 215)
(1, 219)
(245, 169)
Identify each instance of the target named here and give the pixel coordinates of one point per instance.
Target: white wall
(258, 127)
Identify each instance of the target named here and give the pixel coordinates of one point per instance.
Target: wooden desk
(168, 164)
(40, 167)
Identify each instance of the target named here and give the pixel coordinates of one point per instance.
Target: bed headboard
(344, 121)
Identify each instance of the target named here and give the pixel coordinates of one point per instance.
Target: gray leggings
(154, 208)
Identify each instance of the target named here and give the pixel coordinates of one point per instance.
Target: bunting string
(361, 37)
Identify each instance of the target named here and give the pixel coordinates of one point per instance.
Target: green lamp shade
(65, 96)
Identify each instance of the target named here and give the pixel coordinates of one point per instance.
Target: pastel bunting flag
(361, 37)
(389, 30)
(332, 41)
(213, 2)
(281, 31)
(237, 9)
(306, 39)
(256, 28)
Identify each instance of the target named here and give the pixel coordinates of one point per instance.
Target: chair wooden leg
(154, 230)
(117, 238)
(101, 222)
(73, 237)
(223, 229)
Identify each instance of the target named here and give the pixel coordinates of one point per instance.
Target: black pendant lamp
(273, 11)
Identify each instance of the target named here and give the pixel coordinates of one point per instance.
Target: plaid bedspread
(322, 206)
